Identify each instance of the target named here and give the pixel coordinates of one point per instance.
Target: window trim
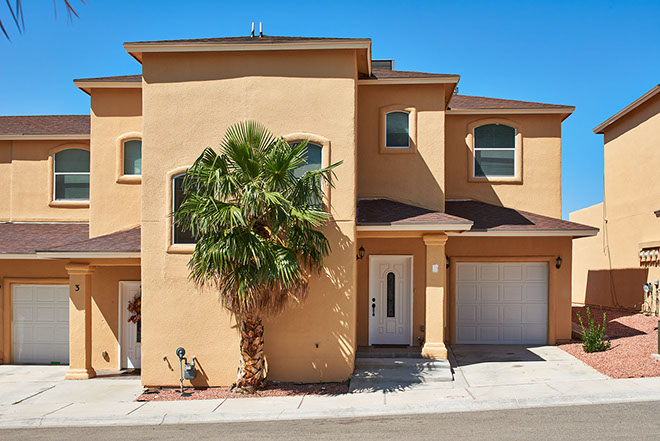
(65, 203)
(174, 248)
(121, 177)
(324, 143)
(517, 157)
(412, 129)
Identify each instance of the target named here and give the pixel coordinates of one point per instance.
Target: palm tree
(16, 12)
(258, 231)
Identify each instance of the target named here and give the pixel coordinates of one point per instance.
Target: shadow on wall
(616, 288)
(314, 341)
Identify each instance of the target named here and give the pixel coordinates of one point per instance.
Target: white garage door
(501, 303)
(40, 324)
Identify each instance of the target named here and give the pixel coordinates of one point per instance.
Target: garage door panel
(489, 293)
(40, 324)
(510, 305)
(467, 272)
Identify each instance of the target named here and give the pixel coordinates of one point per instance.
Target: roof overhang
(565, 112)
(55, 137)
(136, 50)
(416, 227)
(88, 255)
(390, 81)
(531, 233)
(629, 108)
(87, 86)
(18, 256)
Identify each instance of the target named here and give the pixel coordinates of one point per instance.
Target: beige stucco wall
(26, 182)
(116, 116)
(472, 249)
(416, 177)
(609, 270)
(189, 101)
(540, 189)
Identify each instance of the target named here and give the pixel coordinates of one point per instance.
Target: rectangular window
(133, 157)
(179, 236)
(494, 151)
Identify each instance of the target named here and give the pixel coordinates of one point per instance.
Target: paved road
(629, 421)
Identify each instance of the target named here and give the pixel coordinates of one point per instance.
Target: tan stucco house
(612, 267)
(445, 216)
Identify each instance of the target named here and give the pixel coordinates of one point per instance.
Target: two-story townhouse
(612, 267)
(445, 214)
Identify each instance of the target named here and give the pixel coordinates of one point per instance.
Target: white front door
(502, 303)
(130, 333)
(390, 300)
(40, 324)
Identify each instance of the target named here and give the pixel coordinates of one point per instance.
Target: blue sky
(596, 55)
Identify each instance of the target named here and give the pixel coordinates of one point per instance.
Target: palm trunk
(252, 373)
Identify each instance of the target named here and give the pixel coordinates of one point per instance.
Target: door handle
(373, 307)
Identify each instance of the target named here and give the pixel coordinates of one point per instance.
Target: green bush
(593, 336)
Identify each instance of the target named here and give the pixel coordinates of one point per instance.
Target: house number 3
(77, 287)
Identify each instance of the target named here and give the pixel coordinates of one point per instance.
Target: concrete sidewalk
(537, 377)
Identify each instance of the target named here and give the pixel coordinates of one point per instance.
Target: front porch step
(390, 374)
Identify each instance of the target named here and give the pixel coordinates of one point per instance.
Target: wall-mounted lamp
(558, 262)
(448, 262)
(360, 254)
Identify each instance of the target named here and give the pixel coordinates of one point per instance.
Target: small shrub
(593, 336)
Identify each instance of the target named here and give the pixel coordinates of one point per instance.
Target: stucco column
(436, 292)
(80, 322)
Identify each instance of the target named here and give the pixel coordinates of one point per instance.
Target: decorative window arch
(495, 151)
(398, 129)
(71, 175)
(129, 158)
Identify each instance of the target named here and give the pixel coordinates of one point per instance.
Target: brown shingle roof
(115, 79)
(459, 102)
(126, 241)
(489, 217)
(244, 40)
(28, 237)
(386, 212)
(44, 125)
(387, 73)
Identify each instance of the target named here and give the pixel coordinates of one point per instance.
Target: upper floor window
(71, 180)
(179, 235)
(397, 129)
(314, 159)
(132, 155)
(494, 151)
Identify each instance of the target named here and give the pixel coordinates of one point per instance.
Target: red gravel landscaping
(634, 338)
(272, 390)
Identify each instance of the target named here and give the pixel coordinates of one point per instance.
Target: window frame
(516, 178)
(121, 140)
(412, 129)
(324, 143)
(495, 149)
(67, 203)
(397, 146)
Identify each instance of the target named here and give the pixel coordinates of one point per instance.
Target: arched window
(314, 159)
(494, 151)
(179, 235)
(71, 180)
(132, 154)
(397, 129)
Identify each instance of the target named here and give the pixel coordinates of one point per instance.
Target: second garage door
(502, 303)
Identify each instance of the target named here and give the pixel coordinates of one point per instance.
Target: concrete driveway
(489, 368)
(46, 385)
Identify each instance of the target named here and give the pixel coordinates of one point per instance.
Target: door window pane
(133, 157)
(397, 130)
(391, 280)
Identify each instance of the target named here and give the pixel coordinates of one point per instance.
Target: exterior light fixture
(558, 262)
(360, 254)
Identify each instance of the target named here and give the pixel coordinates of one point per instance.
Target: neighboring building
(611, 268)
(454, 200)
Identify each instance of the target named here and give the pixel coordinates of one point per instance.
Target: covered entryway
(40, 324)
(390, 300)
(502, 303)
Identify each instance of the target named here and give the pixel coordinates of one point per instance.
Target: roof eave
(390, 81)
(87, 86)
(529, 233)
(462, 226)
(44, 137)
(565, 112)
(89, 254)
(629, 108)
